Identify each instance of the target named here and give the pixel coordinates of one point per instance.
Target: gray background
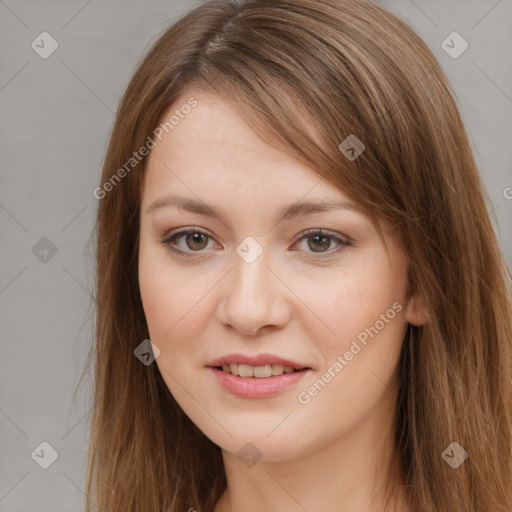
(55, 119)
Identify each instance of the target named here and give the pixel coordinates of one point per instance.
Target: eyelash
(168, 240)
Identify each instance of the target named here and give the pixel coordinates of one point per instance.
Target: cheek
(354, 301)
(175, 302)
(159, 294)
(158, 298)
(365, 312)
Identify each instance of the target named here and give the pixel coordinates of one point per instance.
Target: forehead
(212, 149)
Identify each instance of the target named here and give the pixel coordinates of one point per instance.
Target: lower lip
(252, 387)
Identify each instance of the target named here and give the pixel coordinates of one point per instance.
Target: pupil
(321, 246)
(196, 238)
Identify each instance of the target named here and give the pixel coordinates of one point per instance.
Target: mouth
(258, 372)
(261, 366)
(247, 381)
(259, 376)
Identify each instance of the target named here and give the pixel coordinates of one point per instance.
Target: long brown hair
(306, 74)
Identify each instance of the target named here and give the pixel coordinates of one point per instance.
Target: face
(228, 278)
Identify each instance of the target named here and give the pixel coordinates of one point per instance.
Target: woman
(291, 212)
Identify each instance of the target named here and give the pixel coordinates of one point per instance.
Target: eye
(195, 240)
(319, 241)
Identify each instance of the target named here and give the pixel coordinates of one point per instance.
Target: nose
(254, 298)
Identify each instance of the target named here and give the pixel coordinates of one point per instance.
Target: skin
(319, 456)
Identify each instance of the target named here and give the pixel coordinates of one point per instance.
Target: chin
(257, 445)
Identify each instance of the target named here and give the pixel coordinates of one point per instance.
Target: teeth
(260, 372)
(277, 369)
(244, 370)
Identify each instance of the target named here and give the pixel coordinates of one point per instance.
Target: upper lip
(258, 360)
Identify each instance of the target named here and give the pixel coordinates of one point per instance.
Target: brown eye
(320, 243)
(196, 241)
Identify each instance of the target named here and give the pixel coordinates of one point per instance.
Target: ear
(415, 312)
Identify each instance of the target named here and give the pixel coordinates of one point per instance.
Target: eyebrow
(284, 213)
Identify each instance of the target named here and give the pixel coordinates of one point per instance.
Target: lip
(258, 360)
(253, 387)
